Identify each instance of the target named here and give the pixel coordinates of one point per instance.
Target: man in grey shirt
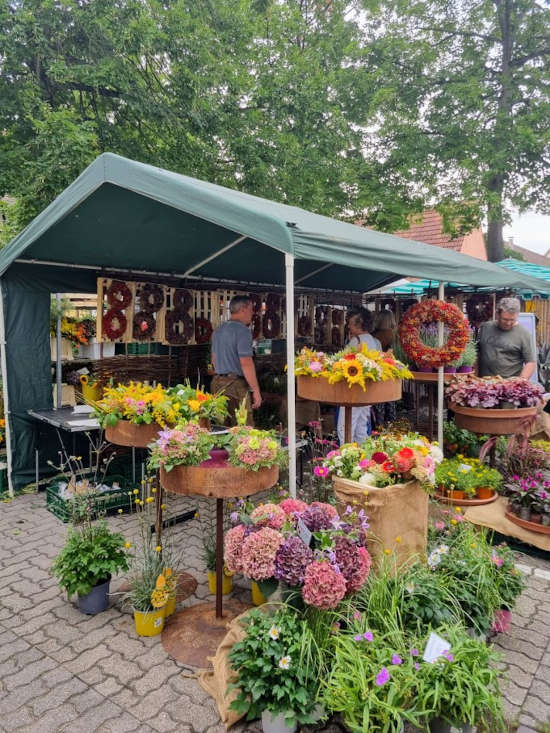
(505, 347)
(232, 358)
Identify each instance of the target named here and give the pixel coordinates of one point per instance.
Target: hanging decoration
(431, 311)
(179, 327)
(119, 296)
(150, 298)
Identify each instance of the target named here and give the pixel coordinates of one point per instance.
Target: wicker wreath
(429, 311)
(144, 326)
(203, 330)
(182, 299)
(109, 329)
(174, 336)
(151, 297)
(271, 325)
(119, 294)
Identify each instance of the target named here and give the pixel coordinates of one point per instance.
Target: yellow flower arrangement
(136, 402)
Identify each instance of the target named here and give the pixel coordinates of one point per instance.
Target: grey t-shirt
(503, 352)
(230, 341)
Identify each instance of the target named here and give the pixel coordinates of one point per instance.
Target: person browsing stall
(359, 326)
(505, 347)
(232, 358)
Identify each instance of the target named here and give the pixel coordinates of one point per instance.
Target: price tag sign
(465, 467)
(435, 648)
(303, 533)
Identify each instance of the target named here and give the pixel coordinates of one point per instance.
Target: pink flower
(321, 471)
(290, 505)
(258, 553)
(439, 525)
(382, 677)
(329, 510)
(396, 659)
(324, 587)
(233, 544)
(315, 366)
(269, 515)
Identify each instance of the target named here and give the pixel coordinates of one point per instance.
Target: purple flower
(416, 666)
(382, 677)
(396, 659)
(291, 561)
(356, 616)
(414, 652)
(234, 517)
(448, 656)
(358, 637)
(367, 636)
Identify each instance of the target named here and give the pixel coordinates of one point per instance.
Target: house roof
(430, 230)
(534, 258)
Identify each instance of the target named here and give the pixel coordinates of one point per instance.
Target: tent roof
(525, 268)
(121, 214)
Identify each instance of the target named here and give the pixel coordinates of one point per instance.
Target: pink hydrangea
(269, 515)
(329, 510)
(361, 572)
(324, 587)
(233, 545)
(290, 505)
(258, 553)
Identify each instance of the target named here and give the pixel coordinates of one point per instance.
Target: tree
(459, 103)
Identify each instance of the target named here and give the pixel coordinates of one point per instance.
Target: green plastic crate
(106, 503)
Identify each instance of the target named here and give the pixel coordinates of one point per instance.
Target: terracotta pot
(454, 494)
(221, 480)
(319, 390)
(484, 492)
(491, 421)
(136, 436)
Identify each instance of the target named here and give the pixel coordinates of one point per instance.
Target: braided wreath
(203, 330)
(151, 297)
(119, 294)
(182, 299)
(114, 324)
(428, 311)
(174, 335)
(144, 326)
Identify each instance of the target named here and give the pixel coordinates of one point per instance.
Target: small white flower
(284, 663)
(409, 587)
(443, 549)
(274, 633)
(434, 558)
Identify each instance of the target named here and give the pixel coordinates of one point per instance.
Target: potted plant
(274, 677)
(90, 556)
(209, 556)
(468, 358)
(197, 404)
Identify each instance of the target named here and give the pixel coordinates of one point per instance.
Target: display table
(493, 516)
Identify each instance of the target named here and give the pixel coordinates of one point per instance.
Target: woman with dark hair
(384, 330)
(359, 325)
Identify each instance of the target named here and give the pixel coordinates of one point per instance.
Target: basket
(106, 503)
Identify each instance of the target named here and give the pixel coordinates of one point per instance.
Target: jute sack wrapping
(216, 680)
(398, 512)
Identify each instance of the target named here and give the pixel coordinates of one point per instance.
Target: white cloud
(531, 231)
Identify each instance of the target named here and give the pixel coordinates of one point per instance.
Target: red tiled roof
(430, 230)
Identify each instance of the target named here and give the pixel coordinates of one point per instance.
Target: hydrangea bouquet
(187, 445)
(353, 365)
(268, 543)
(253, 449)
(384, 460)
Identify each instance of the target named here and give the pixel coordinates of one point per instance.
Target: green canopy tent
(121, 216)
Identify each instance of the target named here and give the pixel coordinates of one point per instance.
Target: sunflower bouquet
(138, 403)
(353, 365)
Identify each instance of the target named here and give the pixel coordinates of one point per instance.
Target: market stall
(124, 219)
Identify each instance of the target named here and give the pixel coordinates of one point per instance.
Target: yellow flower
(458, 509)
(398, 539)
(197, 515)
(158, 548)
(143, 482)
(194, 405)
(473, 545)
(136, 491)
(127, 545)
(120, 511)
(453, 521)
(163, 506)
(154, 490)
(149, 499)
(387, 552)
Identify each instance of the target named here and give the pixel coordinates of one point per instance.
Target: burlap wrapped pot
(398, 517)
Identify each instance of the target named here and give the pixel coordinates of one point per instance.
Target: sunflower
(353, 371)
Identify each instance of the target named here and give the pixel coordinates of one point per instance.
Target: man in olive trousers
(232, 359)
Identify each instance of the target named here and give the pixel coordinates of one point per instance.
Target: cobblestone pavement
(63, 671)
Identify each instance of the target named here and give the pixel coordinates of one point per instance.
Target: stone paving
(63, 671)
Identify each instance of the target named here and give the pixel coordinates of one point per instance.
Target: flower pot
(484, 492)
(227, 583)
(276, 724)
(170, 606)
(504, 405)
(545, 520)
(218, 459)
(502, 621)
(450, 369)
(97, 600)
(217, 479)
(454, 494)
(131, 435)
(464, 369)
(438, 725)
(319, 390)
(491, 421)
(536, 518)
(525, 513)
(425, 370)
(258, 598)
(149, 623)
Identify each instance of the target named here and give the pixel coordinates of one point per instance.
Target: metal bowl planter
(491, 421)
(134, 436)
(318, 389)
(219, 480)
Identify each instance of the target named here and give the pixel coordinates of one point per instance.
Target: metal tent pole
(3, 362)
(440, 378)
(291, 385)
(59, 400)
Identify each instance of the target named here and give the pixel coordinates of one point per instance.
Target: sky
(531, 231)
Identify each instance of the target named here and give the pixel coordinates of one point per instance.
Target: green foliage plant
(275, 668)
(91, 555)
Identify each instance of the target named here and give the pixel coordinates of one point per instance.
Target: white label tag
(435, 648)
(465, 467)
(157, 622)
(303, 533)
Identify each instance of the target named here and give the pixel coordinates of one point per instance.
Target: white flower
(274, 633)
(434, 558)
(409, 587)
(443, 549)
(367, 478)
(284, 663)
(436, 453)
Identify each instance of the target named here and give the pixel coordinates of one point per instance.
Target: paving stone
(154, 678)
(57, 696)
(124, 723)
(21, 695)
(153, 702)
(525, 729)
(521, 660)
(125, 645)
(513, 692)
(155, 655)
(163, 723)
(29, 672)
(10, 648)
(199, 717)
(188, 686)
(512, 643)
(55, 720)
(91, 640)
(122, 669)
(17, 719)
(517, 675)
(108, 687)
(88, 659)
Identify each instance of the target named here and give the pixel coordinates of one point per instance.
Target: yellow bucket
(149, 623)
(227, 583)
(170, 606)
(91, 392)
(258, 597)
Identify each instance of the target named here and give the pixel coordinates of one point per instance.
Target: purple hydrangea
(316, 518)
(291, 561)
